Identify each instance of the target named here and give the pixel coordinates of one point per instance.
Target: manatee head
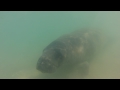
(50, 60)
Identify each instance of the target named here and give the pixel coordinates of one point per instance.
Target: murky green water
(23, 36)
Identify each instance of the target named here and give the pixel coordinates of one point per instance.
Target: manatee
(70, 50)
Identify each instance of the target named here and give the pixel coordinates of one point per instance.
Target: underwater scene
(59, 45)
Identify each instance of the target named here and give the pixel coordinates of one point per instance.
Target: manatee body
(74, 49)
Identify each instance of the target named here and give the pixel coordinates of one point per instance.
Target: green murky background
(24, 34)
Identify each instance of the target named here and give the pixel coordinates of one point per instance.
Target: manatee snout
(45, 66)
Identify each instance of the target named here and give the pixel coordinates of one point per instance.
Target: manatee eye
(58, 54)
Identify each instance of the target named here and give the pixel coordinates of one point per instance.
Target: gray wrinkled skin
(70, 50)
